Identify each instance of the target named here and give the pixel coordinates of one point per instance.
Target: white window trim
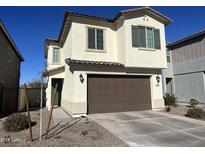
(59, 58)
(104, 36)
(146, 38)
(147, 49)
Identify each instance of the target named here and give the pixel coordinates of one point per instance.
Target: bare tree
(36, 83)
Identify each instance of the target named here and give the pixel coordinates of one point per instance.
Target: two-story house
(186, 67)
(108, 65)
(10, 61)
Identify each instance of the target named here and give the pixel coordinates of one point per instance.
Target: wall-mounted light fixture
(81, 78)
(158, 79)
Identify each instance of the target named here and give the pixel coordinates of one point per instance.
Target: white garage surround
(74, 92)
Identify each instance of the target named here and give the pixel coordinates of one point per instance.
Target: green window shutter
(100, 41)
(135, 36)
(157, 39)
(138, 36)
(91, 38)
(55, 55)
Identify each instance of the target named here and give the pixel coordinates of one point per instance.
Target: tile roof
(65, 26)
(53, 70)
(73, 61)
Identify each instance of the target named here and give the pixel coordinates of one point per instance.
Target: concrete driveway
(153, 128)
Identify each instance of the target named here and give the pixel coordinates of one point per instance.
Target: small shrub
(195, 113)
(168, 108)
(15, 122)
(84, 132)
(193, 103)
(170, 100)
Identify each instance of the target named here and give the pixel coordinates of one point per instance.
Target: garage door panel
(118, 93)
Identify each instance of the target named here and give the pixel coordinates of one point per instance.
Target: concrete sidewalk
(60, 116)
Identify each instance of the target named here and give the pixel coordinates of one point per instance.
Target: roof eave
(162, 17)
(61, 41)
(47, 72)
(187, 38)
(70, 61)
(47, 43)
(69, 13)
(45, 49)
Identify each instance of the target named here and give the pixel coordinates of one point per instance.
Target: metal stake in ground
(52, 105)
(28, 110)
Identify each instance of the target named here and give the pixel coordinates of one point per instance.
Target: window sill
(55, 63)
(97, 51)
(147, 49)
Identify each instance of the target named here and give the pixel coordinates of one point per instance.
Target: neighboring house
(185, 72)
(10, 61)
(168, 76)
(108, 65)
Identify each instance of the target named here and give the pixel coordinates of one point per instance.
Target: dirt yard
(79, 133)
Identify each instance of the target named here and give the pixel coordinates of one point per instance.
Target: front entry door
(59, 82)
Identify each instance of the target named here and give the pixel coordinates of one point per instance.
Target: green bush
(193, 103)
(170, 100)
(195, 113)
(15, 122)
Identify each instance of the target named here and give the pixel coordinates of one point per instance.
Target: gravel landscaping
(181, 109)
(78, 133)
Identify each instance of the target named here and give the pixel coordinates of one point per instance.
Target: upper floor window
(95, 39)
(56, 56)
(145, 37)
(168, 56)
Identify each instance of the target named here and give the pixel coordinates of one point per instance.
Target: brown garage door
(112, 93)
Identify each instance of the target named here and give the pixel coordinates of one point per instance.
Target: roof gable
(145, 10)
(69, 15)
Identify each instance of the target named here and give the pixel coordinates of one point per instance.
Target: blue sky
(29, 26)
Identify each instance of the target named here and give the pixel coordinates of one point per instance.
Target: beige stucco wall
(79, 44)
(118, 48)
(118, 44)
(67, 91)
(49, 87)
(76, 103)
(67, 48)
(138, 57)
(156, 92)
(50, 64)
(120, 33)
